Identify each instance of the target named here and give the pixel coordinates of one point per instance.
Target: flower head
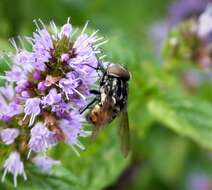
(45, 88)
(182, 9)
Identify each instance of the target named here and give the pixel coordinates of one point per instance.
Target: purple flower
(61, 109)
(69, 84)
(199, 181)
(3, 108)
(9, 135)
(8, 92)
(39, 62)
(42, 86)
(8, 107)
(22, 85)
(83, 45)
(37, 75)
(25, 94)
(42, 40)
(52, 98)
(84, 64)
(16, 74)
(14, 109)
(24, 59)
(45, 163)
(65, 30)
(42, 46)
(15, 166)
(86, 61)
(32, 107)
(65, 57)
(183, 9)
(41, 138)
(72, 130)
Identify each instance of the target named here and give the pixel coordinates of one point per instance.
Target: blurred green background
(171, 126)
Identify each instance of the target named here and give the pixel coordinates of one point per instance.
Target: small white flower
(15, 166)
(45, 163)
(9, 135)
(205, 22)
(32, 107)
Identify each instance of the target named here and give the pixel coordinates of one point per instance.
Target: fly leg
(89, 104)
(99, 67)
(95, 92)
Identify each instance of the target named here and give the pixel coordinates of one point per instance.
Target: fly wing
(124, 133)
(95, 132)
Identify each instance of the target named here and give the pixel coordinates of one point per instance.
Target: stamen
(83, 97)
(41, 22)
(74, 32)
(101, 43)
(84, 28)
(6, 61)
(102, 57)
(29, 40)
(29, 153)
(68, 20)
(98, 39)
(15, 179)
(24, 175)
(36, 24)
(24, 117)
(94, 33)
(22, 42)
(4, 175)
(32, 119)
(12, 41)
(54, 27)
(80, 145)
(75, 150)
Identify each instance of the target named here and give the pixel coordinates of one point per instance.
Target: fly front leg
(88, 105)
(95, 92)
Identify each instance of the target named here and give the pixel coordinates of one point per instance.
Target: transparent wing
(124, 133)
(96, 130)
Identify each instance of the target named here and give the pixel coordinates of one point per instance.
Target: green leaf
(190, 117)
(100, 165)
(59, 178)
(160, 142)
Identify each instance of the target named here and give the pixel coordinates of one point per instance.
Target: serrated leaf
(190, 117)
(100, 165)
(59, 178)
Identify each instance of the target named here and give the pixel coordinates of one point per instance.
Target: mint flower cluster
(44, 90)
(191, 41)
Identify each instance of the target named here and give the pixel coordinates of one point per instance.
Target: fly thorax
(103, 97)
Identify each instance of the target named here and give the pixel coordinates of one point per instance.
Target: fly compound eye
(118, 71)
